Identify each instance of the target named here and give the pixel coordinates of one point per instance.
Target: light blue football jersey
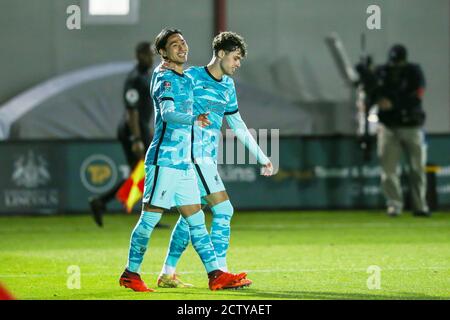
(218, 97)
(171, 145)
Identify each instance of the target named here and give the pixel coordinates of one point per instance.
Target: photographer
(398, 94)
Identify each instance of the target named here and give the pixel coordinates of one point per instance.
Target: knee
(224, 208)
(149, 220)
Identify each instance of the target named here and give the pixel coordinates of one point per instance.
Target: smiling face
(230, 61)
(176, 50)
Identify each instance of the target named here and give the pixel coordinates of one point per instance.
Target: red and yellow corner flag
(132, 189)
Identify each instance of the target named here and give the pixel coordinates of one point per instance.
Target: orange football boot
(222, 280)
(133, 281)
(242, 283)
(242, 275)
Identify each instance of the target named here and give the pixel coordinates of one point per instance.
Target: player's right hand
(202, 120)
(267, 170)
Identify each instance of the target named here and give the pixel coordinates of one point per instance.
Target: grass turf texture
(289, 255)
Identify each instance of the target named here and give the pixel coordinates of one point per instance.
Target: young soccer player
(215, 94)
(169, 176)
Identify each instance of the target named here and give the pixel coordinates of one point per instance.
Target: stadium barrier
(48, 177)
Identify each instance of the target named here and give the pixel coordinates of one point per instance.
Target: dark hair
(163, 36)
(143, 48)
(229, 41)
(398, 53)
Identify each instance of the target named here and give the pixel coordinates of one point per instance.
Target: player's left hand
(166, 66)
(267, 170)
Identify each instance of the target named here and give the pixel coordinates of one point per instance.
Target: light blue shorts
(166, 187)
(209, 180)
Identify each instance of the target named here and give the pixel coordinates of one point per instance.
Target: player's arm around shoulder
(168, 108)
(191, 72)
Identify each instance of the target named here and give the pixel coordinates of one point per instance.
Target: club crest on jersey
(167, 86)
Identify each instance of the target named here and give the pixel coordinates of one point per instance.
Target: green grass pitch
(288, 255)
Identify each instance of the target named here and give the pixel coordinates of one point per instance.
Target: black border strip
(167, 99)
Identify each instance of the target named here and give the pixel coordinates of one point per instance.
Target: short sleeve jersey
(171, 145)
(218, 97)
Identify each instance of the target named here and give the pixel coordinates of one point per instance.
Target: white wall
(287, 53)
(36, 44)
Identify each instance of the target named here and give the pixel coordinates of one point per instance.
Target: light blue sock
(178, 243)
(220, 231)
(202, 241)
(139, 239)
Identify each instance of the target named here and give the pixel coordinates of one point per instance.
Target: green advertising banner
(53, 177)
(29, 178)
(330, 173)
(313, 173)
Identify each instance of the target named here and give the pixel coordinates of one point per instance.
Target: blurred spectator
(134, 130)
(399, 93)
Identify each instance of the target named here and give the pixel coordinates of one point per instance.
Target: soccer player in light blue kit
(169, 176)
(215, 94)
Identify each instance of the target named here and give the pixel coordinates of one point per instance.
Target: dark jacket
(136, 96)
(404, 87)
